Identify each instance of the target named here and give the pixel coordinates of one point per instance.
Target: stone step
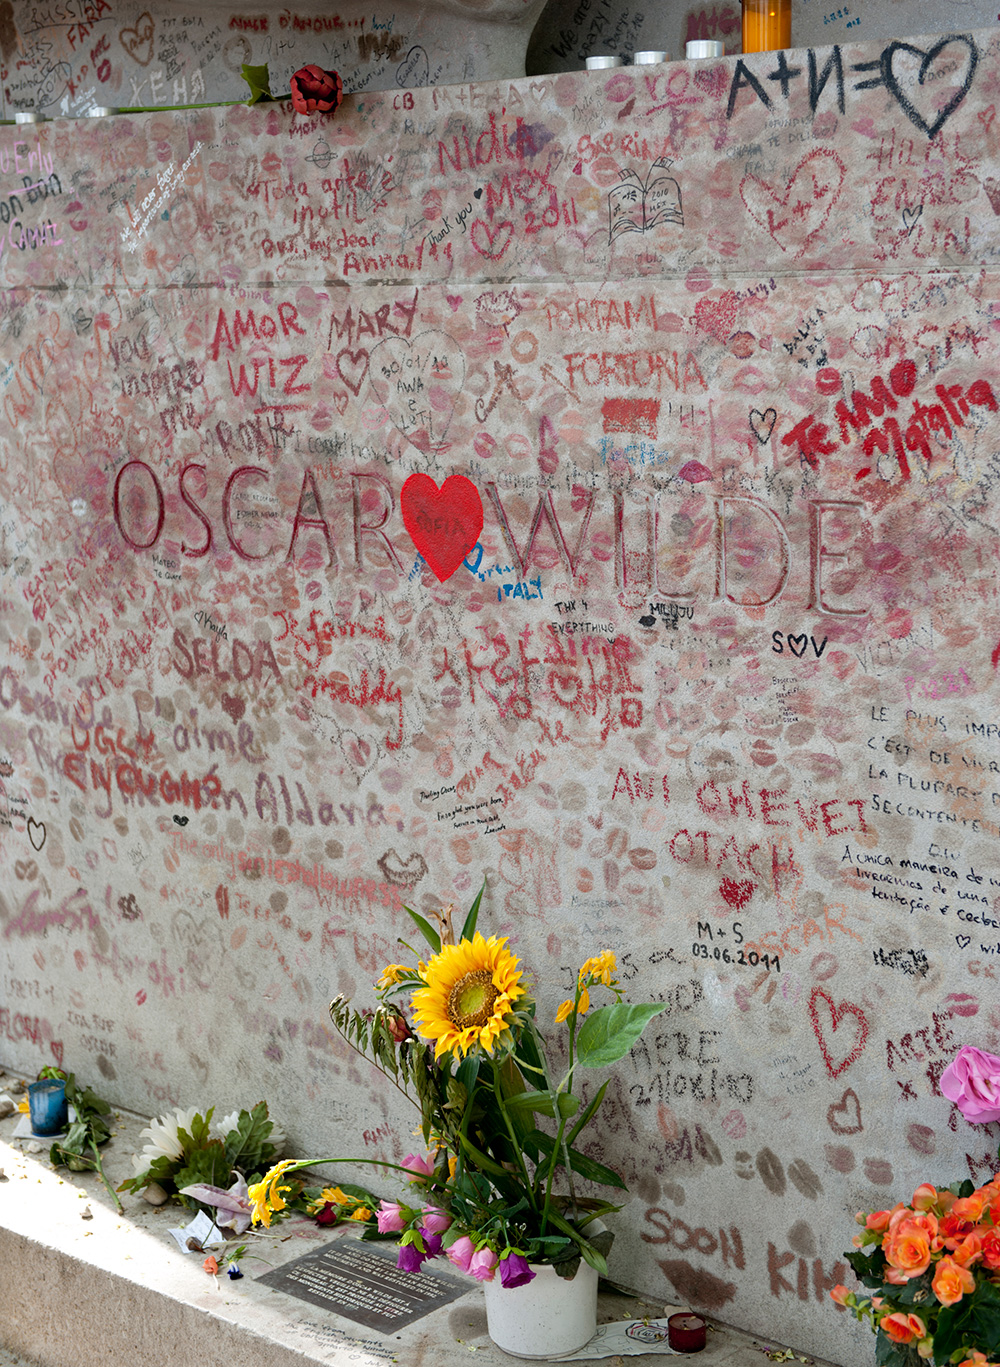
(85, 1286)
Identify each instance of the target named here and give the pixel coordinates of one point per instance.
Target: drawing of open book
(637, 206)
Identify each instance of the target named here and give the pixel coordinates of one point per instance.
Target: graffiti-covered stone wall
(589, 482)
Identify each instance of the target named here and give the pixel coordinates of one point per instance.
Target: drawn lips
(402, 873)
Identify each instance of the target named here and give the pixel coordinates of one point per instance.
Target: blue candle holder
(47, 1106)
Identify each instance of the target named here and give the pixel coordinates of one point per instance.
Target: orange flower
(839, 1295)
(970, 1250)
(908, 1252)
(924, 1197)
(879, 1219)
(991, 1250)
(952, 1281)
(903, 1328)
(211, 1266)
(969, 1207)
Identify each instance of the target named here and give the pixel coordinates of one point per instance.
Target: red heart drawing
(736, 892)
(844, 1116)
(717, 317)
(353, 369)
(138, 41)
(56, 1045)
(491, 242)
(444, 524)
(837, 1014)
(794, 218)
(234, 707)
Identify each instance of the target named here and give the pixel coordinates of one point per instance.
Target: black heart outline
(794, 640)
(762, 430)
(892, 85)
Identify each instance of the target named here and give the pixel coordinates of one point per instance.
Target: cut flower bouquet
(498, 1188)
(934, 1265)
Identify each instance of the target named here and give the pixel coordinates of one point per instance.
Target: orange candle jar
(767, 25)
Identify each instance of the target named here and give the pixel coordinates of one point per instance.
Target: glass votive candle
(650, 57)
(697, 49)
(686, 1333)
(767, 25)
(47, 1107)
(603, 62)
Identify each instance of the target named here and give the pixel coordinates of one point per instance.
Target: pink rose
(435, 1220)
(314, 89)
(419, 1167)
(482, 1265)
(972, 1082)
(390, 1217)
(460, 1253)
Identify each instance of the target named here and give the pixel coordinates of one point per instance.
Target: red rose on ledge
(314, 89)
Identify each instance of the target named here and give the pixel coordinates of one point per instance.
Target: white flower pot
(547, 1316)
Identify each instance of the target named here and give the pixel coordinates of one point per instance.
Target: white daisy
(163, 1134)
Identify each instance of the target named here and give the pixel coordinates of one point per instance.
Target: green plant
(501, 1122)
(186, 1148)
(79, 1151)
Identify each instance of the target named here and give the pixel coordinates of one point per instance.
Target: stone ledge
(115, 1291)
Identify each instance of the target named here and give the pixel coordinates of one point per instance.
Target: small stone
(7, 1107)
(3, 1176)
(86, 1213)
(155, 1194)
(34, 1147)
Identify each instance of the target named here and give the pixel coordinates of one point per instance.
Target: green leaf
(565, 1103)
(587, 1250)
(425, 928)
(469, 928)
(468, 1071)
(258, 80)
(589, 1112)
(588, 1168)
(246, 1144)
(609, 1032)
(869, 1267)
(207, 1164)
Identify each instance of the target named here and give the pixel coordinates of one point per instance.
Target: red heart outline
(444, 524)
(489, 241)
(837, 1013)
(810, 193)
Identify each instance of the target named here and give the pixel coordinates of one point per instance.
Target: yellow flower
(392, 974)
(601, 967)
(265, 1196)
(335, 1195)
(362, 1213)
(565, 1011)
(470, 993)
(24, 1106)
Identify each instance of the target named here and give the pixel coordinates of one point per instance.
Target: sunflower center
(471, 1000)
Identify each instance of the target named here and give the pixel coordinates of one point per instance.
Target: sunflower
(470, 993)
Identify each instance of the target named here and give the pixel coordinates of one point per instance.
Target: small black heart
(647, 621)
(793, 641)
(477, 194)
(181, 820)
